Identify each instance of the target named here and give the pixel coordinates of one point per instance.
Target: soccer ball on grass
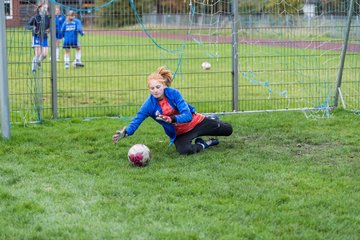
(139, 155)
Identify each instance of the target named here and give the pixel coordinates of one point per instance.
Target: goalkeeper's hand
(164, 118)
(119, 135)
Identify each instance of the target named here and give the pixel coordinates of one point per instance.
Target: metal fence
(266, 60)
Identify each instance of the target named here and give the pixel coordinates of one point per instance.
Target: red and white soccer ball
(139, 155)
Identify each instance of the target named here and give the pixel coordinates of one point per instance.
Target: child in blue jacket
(71, 28)
(59, 21)
(178, 118)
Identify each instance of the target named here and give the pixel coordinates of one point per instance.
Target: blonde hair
(162, 75)
(71, 13)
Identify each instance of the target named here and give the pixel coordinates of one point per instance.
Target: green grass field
(279, 176)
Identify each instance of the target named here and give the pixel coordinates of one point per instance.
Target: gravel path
(320, 45)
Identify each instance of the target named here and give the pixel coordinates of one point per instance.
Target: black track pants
(208, 127)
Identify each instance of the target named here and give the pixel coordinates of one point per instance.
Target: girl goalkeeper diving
(179, 119)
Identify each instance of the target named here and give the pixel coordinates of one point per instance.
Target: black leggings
(208, 127)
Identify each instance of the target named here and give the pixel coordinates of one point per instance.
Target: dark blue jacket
(40, 25)
(151, 106)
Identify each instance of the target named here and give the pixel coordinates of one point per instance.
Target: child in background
(70, 30)
(77, 62)
(40, 26)
(59, 21)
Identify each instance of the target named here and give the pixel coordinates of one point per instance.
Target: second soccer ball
(206, 65)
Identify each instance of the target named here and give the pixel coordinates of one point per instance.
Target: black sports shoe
(79, 64)
(207, 143)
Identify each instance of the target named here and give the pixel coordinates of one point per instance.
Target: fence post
(235, 60)
(4, 78)
(343, 53)
(54, 105)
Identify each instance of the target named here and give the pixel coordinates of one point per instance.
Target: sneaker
(79, 64)
(66, 66)
(34, 65)
(207, 143)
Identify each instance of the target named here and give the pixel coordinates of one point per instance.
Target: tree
(172, 6)
(284, 7)
(251, 7)
(120, 13)
(337, 7)
(271, 6)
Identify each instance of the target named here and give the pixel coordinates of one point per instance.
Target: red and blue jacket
(151, 106)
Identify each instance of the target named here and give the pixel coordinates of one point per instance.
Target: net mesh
(288, 54)
(206, 19)
(310, 35)
(19, 48)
